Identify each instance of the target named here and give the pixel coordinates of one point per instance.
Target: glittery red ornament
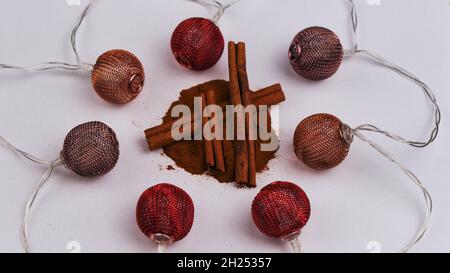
(318, 142)
(316, 53)
(197, 43)
(281, 210)
(165, 210)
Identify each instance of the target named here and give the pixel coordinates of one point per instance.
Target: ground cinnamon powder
(190, 154)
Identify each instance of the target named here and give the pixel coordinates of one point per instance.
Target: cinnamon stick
(240, 146)
(209, 151)
(245, 93)
(269, 96)
(251, 149)
(217, 143)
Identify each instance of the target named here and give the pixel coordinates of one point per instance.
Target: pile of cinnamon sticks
(160, 136)
(239, 94)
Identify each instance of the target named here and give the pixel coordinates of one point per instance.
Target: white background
(364, 199)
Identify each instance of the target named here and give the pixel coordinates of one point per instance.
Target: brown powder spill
(190, 154)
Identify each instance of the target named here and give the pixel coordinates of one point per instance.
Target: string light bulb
(281, 210)
(165, 214)
(197, 43)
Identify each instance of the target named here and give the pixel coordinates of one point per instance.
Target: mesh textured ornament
(197, 43)
(281, 210)
(318, 142)
(165, 214)
(316, 53)
(117, 77)
(90, 150)
(322, 142)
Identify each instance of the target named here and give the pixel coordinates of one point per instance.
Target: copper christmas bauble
(165, 209)
(318, 142)
(281, 209)
(91, 149)
(197, 43)
(316, 53)
(118, 76)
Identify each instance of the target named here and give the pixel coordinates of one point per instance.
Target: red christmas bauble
(316, 53)
(165, 209)
(281, 209)
(318, 142)
(197, 43)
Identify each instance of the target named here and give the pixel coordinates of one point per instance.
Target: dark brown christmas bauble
(316, 53)
(91, 149)
(197, 43)
(318, 142)
(118, 76)
(165, 209)
(281, 209)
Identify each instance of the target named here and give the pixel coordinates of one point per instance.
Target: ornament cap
(347, 133)
(87, 67)
(294, 241)
(294, 52)
(292, 236)
(162, 240)
(136, 84)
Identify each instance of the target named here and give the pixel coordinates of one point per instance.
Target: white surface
(364, 199)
